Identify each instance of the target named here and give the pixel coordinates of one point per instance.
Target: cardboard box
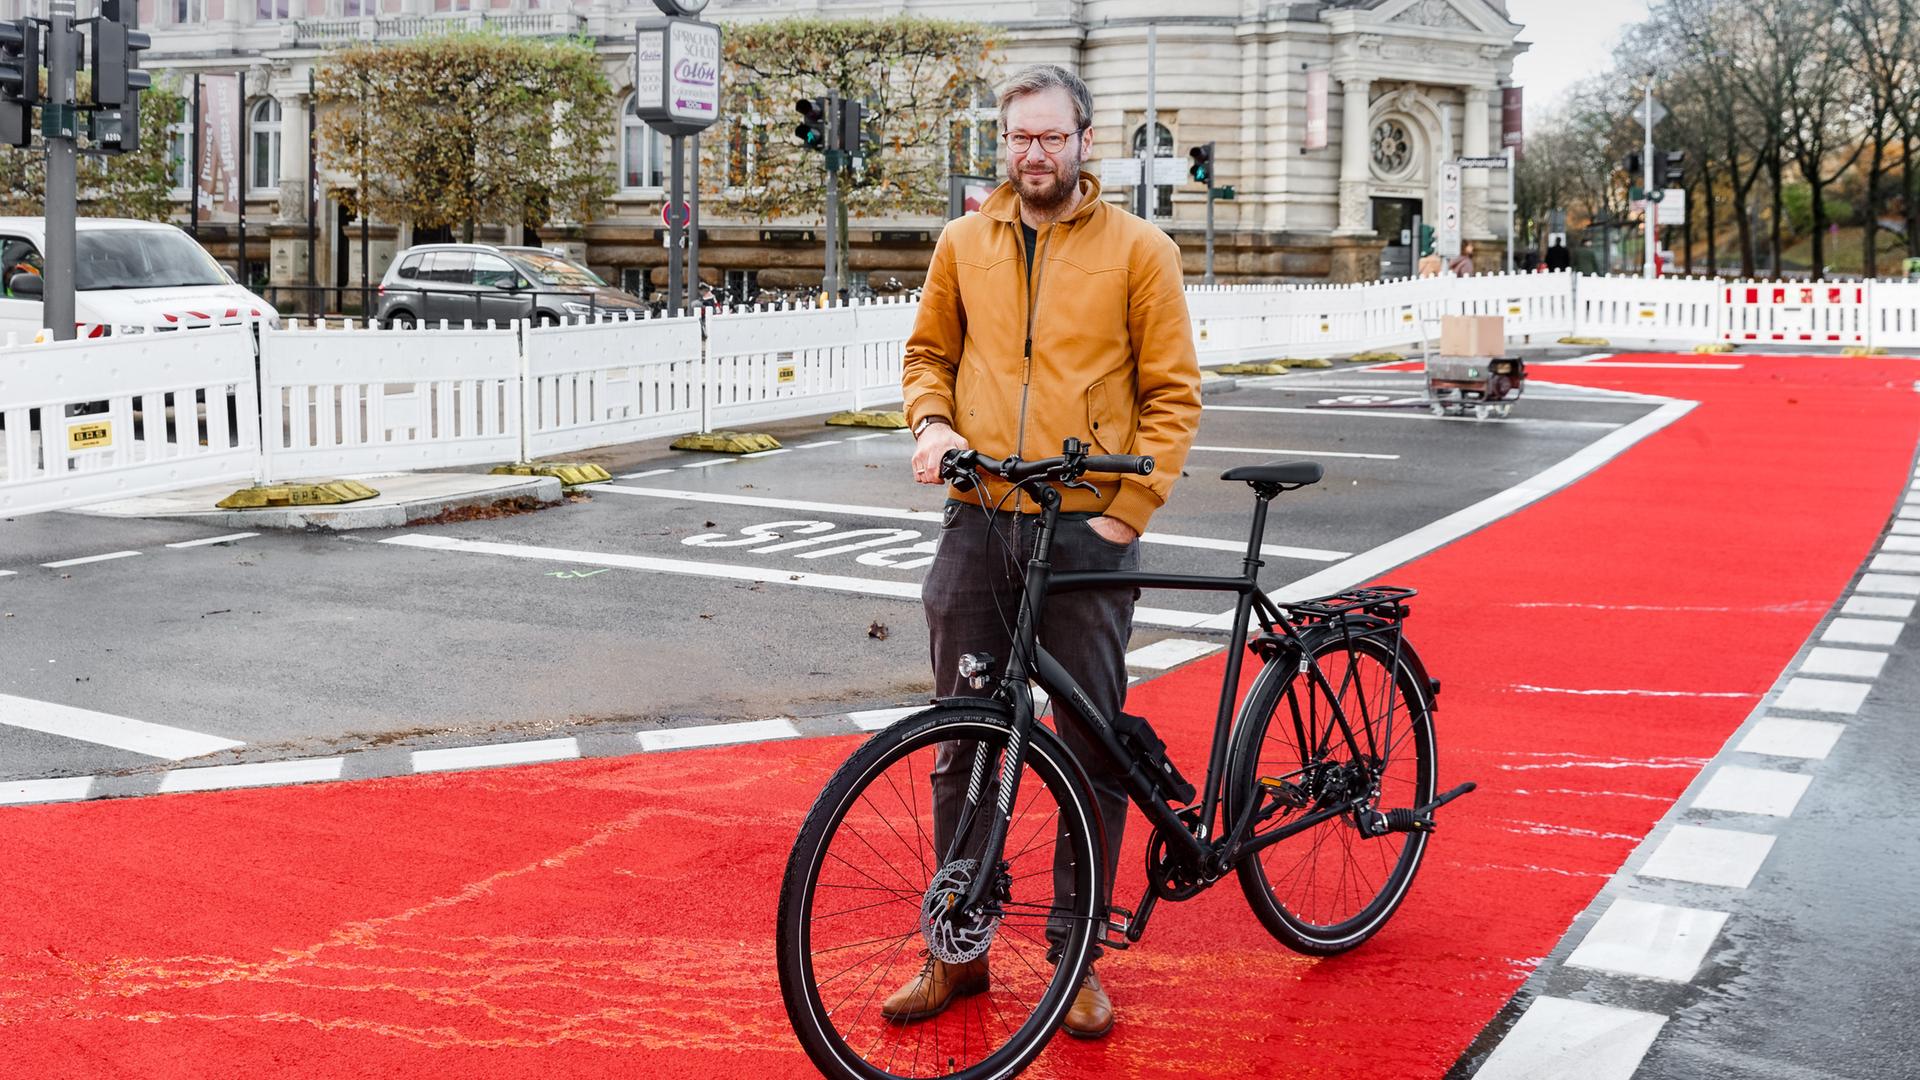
(1473, 335)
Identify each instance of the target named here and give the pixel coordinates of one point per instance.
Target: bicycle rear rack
(1380, 601)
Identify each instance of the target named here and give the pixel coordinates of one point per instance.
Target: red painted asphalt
(613, 917)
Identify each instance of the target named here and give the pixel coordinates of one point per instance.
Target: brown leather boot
(938, 985)
(1092, 1014)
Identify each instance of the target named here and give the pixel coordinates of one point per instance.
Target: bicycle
(1335, 736)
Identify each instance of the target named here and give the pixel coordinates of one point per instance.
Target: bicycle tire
(1329, 889)
(1033, 979)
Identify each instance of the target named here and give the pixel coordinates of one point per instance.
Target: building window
(180, 150)
(187, 12)
(1163, 147)
(266, 10)
(1393, 149)
(642, 150)
(974, 142)
(263, 163)
(459, 5)
(746, 153)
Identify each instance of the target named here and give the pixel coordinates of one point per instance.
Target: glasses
(1052, 142)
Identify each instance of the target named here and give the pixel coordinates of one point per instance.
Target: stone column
(1356, 217)
(1474, 182)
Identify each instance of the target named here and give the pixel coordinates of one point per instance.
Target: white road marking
(875, 719)
(709, 461)
(104, 729)
(900, 514)
(864, 438)
(638, 475)
(718, 734)
(206, 540)
(769, 453)
(1779, 736)
(8, 573)
(1529, 688)
(1170, 652)
(89, 559)
(479, 757)
(1901, 543)
(1893, 584)
(1725, 857)
(1909, 512)
(1426, 416)
(1653, 941)
(58, 789)
(1559, 1039)
(1370, 564)
(1283, 452)
(1884, 606)
(1860, 663)
(260, 774)
(817, 442)
(1741, 790)
(1906, 528)
(1655, 364)
(1861, 632)
(1822, 695)
(1899, 564)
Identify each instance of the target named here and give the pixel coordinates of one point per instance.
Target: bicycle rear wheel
(1329, 888)
(854, 918)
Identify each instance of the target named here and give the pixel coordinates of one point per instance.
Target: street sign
(1223, 192)
(1655, 111)
(1492, 161)
(1120, 172)
(1448, 241)
(1169, 170)
(669, 213)
(676, 74)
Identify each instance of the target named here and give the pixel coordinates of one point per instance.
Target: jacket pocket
(1111, 428)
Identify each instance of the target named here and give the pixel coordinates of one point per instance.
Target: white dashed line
(819, 443)
(1170, 652)
(1901, 543)
(1653, 941)
(1780, 736)
(59, 789)
(1709, 856)
(1892, 584)
(206, 540)
(864, 438)
(1898, 564)
(8, 573)
(1906, 528)
(1558, 1039)
(477, 757)
(1822, 695)
(710, 461)
(1740, 790)
(105, 729)
(875, 719)
(89, 559)
(1861, 632)
(261, 774)
(1880, 606)
(1859, 663)
(769, 453)
(1376, 415)
(718, 734)
(638, 475)
(1282, 452)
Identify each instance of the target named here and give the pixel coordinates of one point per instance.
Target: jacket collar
(1004, 205)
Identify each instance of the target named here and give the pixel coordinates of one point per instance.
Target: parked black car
(478, 282)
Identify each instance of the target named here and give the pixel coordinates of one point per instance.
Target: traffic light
(1675, 173)
(1202, 168)
(19, 80)
(812, 128)
(853, 128)
(1427, 239)
(116, 59)
(1633, 164)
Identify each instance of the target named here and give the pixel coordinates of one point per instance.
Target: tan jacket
(1097, 347)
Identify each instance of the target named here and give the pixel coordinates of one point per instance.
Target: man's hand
(1113, 530)
(930, 447)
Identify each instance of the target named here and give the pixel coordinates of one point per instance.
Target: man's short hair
(1041, 77)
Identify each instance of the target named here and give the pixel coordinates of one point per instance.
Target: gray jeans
(972, 599)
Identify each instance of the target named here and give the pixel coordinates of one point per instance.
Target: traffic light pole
(830, 281)
(63, 54)
(1646, 180)
(1209, 278)
(678, 186)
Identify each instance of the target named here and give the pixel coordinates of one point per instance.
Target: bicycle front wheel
(865, 901)
(1329, 888)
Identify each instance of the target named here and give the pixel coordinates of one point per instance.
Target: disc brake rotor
(951, 937)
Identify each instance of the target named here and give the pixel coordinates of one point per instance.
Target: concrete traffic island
(402, 498)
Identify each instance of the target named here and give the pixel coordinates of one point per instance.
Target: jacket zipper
(1033, 304)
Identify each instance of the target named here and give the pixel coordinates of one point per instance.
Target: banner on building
(1316, 138)
(1512, 113)
(217, 131)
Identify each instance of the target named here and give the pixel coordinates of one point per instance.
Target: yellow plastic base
(873, 418)
(1376, 358)
(570, 474)
(1599, 341)
(321, 494)
(1863, 350)
(1713, 348)
(727, 442)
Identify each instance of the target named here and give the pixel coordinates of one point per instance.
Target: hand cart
(1489, 385)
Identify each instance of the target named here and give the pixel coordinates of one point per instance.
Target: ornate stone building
(1410, 84)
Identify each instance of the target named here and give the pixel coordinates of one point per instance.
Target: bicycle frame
(1191, 843)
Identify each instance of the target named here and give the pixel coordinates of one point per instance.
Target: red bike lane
(614, 916)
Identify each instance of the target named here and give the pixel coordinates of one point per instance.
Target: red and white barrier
(1796, 314)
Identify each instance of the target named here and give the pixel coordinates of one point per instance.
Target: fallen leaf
(710, 524)
(877, 631)
(706, 614)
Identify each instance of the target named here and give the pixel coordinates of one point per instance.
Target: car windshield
(141, 259)
(551, 269)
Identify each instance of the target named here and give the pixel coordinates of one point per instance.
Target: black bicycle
(1333, 748)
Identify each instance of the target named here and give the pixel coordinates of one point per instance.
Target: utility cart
(1465, 373)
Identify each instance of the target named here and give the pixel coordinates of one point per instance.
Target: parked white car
(129, 276)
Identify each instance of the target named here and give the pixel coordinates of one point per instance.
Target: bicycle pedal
(1113, 933)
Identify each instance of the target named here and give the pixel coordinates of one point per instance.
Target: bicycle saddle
(1291, 473)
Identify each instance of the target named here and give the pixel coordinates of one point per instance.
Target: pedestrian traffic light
(853, 128)
(812, 128)
(1427, 238)
(116, 58)
(1633, 164)
(19, 80)
(1202, 168)
(1675, 173)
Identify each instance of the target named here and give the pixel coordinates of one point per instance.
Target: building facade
(1400, 86)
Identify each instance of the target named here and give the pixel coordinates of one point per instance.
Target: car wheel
(546, 318)
(400, 320)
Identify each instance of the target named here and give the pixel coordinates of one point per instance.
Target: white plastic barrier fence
(1683, 310)
(881, 330)
(773, 365)
(179, 410)
(1790, 313)
(599, 383)
(341, 401)
(1895, 314)
(1535, 306)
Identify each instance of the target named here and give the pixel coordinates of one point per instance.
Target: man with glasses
(1047, 315)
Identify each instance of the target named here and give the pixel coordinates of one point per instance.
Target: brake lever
(1081, 484)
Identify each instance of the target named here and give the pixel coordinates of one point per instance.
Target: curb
(388, 512)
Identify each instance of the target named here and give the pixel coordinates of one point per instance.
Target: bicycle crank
(1374, 823)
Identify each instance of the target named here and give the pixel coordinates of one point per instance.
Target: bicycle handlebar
(959, 466)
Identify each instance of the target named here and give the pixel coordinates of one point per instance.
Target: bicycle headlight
(977, 669)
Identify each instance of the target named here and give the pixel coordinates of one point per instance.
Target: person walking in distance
(1049, 314)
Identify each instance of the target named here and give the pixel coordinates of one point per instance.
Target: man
(1047, 315)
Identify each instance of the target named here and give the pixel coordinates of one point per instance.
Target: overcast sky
(1571, 39)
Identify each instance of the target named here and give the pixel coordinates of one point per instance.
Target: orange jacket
(1097, 346)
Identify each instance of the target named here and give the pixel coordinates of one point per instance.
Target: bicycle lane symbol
(805, 538)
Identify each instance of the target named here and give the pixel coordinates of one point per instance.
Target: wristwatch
(927, 420)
